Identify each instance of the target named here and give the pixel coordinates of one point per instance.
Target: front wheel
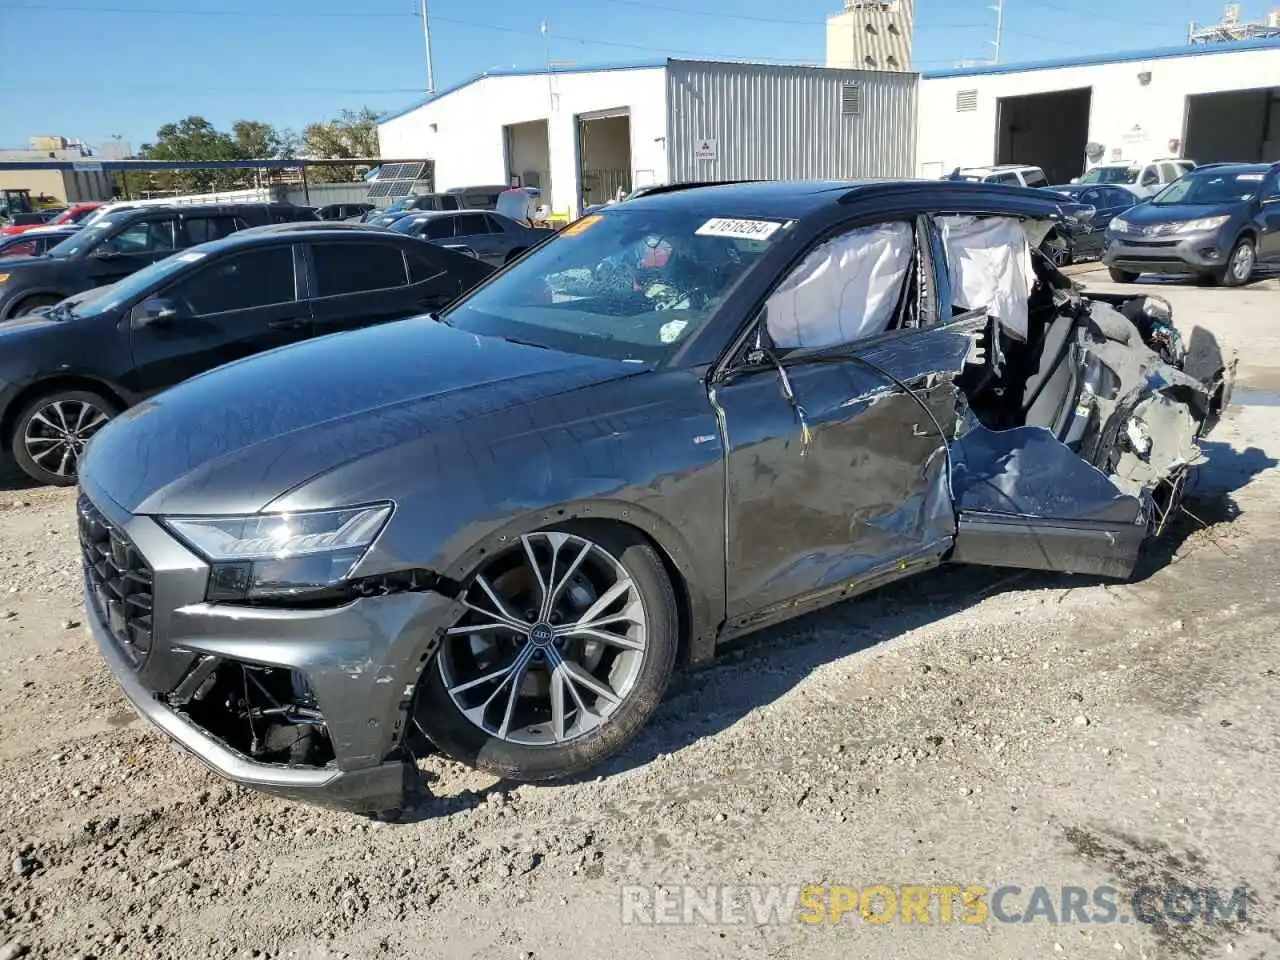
(32, 304)
(51, 432)
(1122, 276)
(565, 651)
(1240, 265)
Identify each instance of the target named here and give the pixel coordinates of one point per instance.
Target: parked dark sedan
(492, 237)
(66, 370)
(34, 243)
(1085, 238)
(115, 245)
(1221, 222)
(501, 528)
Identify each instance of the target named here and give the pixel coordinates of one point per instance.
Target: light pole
(426, 40)
(999, 9)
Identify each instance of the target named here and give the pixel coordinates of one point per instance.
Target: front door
(834, 432)
(477, 231)
(238, 305)
(1269, 220)
(138, 245)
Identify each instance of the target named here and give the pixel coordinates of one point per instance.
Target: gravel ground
(967, 727)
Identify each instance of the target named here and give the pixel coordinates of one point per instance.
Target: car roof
(798, 198)
(284, 233)
(308, 225)
(1235, 168)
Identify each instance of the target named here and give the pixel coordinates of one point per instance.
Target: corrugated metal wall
(778, 122)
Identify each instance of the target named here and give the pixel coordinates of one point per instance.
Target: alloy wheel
(552, 643)
(56, 433)
(1242, 262)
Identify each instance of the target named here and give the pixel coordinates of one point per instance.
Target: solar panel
(400, 188)
(396, 179)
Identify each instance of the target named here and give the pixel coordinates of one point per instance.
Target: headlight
(1196, 226)
(1119, 225)
(276, 555)
(4, 278)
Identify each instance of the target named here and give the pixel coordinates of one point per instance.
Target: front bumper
(362, 661)
(1192, 253)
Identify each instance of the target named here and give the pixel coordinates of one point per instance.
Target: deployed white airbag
(847, 288)
(990, 261)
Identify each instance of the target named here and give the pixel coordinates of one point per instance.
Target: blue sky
(95, 68)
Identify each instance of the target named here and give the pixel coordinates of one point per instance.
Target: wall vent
(850, 99)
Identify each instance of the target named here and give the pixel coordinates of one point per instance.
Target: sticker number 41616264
(739, 229)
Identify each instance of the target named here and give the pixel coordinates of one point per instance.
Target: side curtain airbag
(847, 288)
(990, 267)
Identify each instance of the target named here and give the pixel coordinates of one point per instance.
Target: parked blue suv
(1220, 221)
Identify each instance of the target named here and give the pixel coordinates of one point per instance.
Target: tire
(1240, 265)
(31, 304)
(533, 752)
(513, 254)
(36, 446)
(1122, 276)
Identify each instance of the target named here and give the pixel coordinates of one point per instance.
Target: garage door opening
(1240, 125)
(1046, 130)
(604, 156)
(529, 156)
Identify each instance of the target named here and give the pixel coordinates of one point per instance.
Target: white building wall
(1136, 119)
(462, 130)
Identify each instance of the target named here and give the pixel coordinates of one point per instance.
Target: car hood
(1150, 213)
(235, 439)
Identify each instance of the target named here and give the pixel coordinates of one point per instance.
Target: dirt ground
(970, 727)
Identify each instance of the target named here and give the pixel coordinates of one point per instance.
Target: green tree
(255, 140)
(353, 135)
(193, 138)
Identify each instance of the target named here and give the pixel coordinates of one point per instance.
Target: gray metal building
(581, 134)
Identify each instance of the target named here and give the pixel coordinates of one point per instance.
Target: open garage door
(1046, 130)
(604, 155)
(529, 156)
(1240, 125)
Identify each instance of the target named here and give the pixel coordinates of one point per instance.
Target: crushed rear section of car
(1076, 437)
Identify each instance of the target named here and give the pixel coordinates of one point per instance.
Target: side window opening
(852, 286)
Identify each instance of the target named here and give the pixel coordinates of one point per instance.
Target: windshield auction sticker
(739, 229)
(580, 226)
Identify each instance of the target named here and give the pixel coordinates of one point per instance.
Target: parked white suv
(1146, 178)
(1012, 174)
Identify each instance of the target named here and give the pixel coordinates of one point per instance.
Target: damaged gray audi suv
(496, 532)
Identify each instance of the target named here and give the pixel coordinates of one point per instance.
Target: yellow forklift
(14, 202)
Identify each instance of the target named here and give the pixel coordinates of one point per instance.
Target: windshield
(1210, 187)
(404, 224)
(102, 299)
(627, 285)
(86, 237)
(1111, 175)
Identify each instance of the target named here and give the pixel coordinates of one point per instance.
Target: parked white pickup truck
(1145, 177)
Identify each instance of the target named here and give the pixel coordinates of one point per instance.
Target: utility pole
(999, 9)
(426, 40)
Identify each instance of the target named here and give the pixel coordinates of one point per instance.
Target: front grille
(118, 580)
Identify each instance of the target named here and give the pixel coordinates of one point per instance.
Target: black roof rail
(691, 185)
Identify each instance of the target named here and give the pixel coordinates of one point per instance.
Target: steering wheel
(614, 275)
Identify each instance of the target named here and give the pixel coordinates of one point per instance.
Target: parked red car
(73, 214)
